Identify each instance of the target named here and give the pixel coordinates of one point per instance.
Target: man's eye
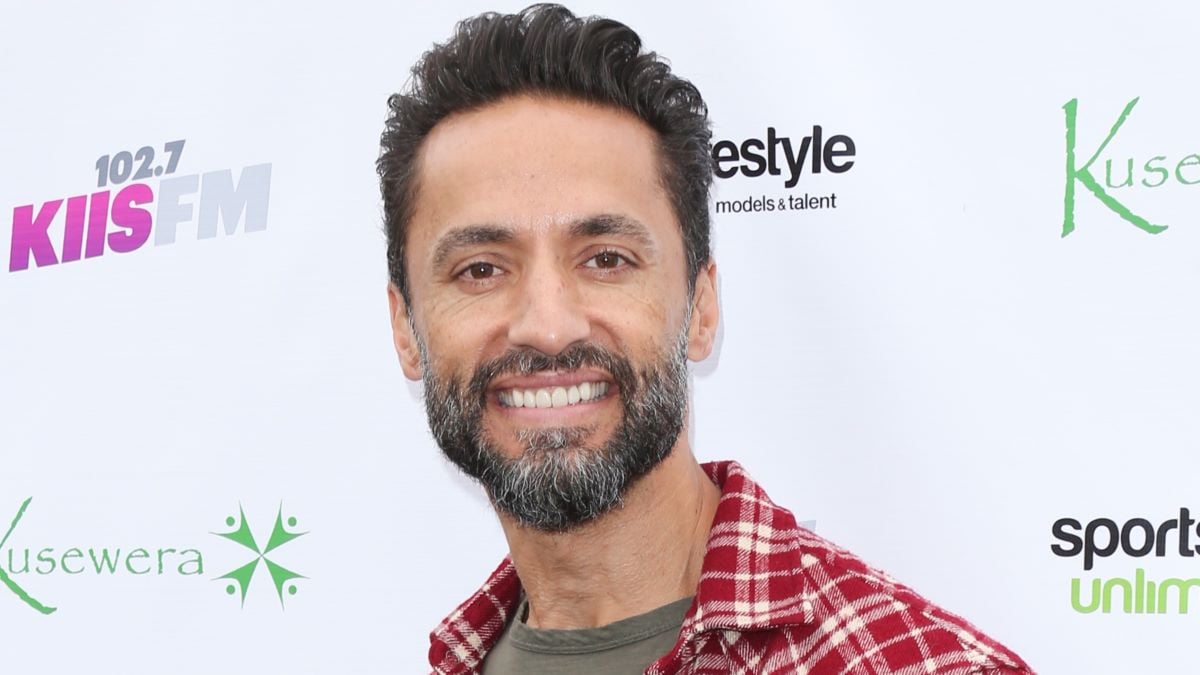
(481, 270)
(607, 260)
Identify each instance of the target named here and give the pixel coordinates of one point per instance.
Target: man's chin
(518, 442)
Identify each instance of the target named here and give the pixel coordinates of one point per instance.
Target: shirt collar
(752, 578)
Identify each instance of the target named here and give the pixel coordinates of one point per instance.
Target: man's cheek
(639, 298)
(446, 349)
(636, 319)
(448, 304)
(467, 336)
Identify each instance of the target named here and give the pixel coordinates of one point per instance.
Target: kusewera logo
(1134, 593)
(29, 574)
(242, 576)
(1121, 175)
(121, 219)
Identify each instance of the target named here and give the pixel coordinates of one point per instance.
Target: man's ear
(402, 334)
(706, 313)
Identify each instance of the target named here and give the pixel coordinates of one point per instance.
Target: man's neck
(633, 559)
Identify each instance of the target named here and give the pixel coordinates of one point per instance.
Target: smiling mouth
(553, 397)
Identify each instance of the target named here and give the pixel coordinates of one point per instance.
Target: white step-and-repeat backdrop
(964, 344)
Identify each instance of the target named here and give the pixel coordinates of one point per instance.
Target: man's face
(550, 304)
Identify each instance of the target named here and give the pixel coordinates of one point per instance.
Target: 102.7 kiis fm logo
(33, 574)
(120, 216)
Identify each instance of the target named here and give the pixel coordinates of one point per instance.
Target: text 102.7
(118, 168)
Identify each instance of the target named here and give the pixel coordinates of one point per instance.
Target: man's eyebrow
(597, 226)
(472, 235)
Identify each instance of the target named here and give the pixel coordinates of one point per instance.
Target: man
(545, 189)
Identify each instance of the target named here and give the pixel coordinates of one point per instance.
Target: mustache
(528, 361)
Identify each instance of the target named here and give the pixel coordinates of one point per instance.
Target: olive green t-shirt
(625, 647)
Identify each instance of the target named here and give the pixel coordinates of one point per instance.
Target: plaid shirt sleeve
(773, 599)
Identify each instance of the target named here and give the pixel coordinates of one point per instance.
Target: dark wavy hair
(547, 50)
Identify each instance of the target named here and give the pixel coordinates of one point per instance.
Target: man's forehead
(545, 115)
(539, 166)
(537, 142)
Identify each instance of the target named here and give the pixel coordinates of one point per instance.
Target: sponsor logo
(26, 571)
(121, 218)
(788, 161)
(21, 593)
(755, 157)
(1134, 593)
(1120, 173)
(242, 576)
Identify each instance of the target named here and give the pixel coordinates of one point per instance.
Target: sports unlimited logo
(1121, 175)
(121, 216)
(27, 571)
(1132, 592)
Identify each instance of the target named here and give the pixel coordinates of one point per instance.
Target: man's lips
(550, 379)
(554, 398)
(552, 392)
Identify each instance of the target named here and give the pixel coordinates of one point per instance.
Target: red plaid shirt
(773, 599)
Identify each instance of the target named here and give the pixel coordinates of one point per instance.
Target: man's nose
(549, 312)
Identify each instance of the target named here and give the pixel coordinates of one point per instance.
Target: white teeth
(555, 397)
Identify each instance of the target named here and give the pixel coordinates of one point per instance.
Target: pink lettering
(73, 235)
(126, 215)
(31, 236)
(97, 224)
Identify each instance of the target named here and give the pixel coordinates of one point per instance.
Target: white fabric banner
(955, 331)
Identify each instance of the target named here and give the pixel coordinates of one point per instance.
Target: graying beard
(557, 482)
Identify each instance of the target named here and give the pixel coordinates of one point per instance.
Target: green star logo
(242, 576)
